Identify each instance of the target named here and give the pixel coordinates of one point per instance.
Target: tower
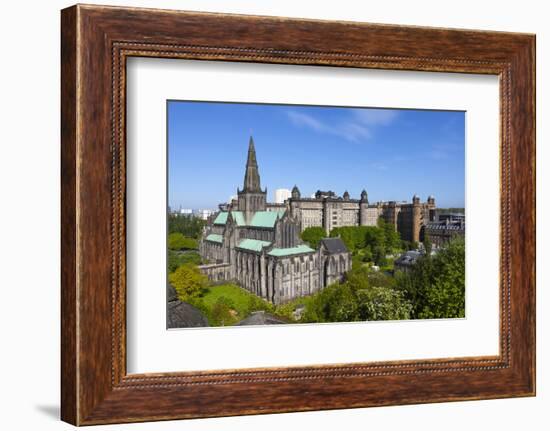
(416, 219)
(252, 198)
(363, 209)
(295, 194)
(431, 208)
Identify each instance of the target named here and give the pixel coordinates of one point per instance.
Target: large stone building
(258, 245)
(448, 227)
(329, 211)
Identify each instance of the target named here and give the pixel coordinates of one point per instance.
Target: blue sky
(392, 153)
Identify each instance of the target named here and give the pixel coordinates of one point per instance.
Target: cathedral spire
(251, 176)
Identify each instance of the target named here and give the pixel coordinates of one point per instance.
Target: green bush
(188, 281)
(313, 236)
(223, 312)
(187, 225)
(177, 259)
(176, 241)
(435, 285)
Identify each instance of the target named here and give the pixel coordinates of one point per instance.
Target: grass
(227, 304)
(239, 297)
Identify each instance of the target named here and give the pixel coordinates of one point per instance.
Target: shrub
(188, 281)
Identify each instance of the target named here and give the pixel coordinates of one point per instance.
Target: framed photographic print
(322, 214)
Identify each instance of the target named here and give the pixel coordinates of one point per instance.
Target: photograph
(297, 214)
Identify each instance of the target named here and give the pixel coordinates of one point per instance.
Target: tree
(363, 296)
(392, 239)
(382, 303)
(445, 296)
(222, 312)
(427, 245)
(177, 241)
(187, 225)
(335, 303)
(256, 303)
(358, 278)
(313, 235)
(176, 259)
(435, 286)
(188, 281)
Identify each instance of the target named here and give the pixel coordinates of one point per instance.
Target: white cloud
(356, 126)
(375, 117)
(301, 119)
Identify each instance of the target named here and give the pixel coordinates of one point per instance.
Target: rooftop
(253, 244)
(409, 257)
(278, 252)
(260, 218)
(334, 245)
(214, 237)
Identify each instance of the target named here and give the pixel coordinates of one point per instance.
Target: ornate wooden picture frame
(96, 41)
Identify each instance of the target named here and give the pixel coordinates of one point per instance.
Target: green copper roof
(290, 251)
(265, 218)
(215, 238)
(260, 218)
(238, 217)
(221, 218)
(253, 244)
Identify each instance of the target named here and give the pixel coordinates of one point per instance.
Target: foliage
(188, 281)
(287, 309)
(176, 259)
(382, 303)
(435, 285)
(364, 295)
(380, 279)
(313, 236)
(353, 236)
(372, 243)
(335, 303)
(187, 225)
(392, 239)
(227, 304)
(177, 241)
(223, 313)
(427, 245)
(255, 303)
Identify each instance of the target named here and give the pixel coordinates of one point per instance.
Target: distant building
(329, 211)
(281, 195)
(448, 226)
(204, 214)
(186, 211)
(258, 245)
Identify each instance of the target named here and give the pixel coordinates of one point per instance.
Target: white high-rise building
(281, 195)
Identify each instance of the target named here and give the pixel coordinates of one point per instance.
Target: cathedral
(258, 246)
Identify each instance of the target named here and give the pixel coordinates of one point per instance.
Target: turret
(346, 196)
(416, 219)
(364, 209)
(295, 194)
